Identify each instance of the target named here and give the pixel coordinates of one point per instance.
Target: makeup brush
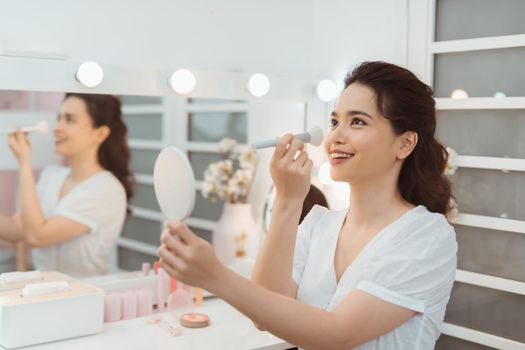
(41, 127)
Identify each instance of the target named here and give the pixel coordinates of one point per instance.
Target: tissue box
(59, 315)
(27, 277)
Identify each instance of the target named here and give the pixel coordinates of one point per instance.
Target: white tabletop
(229, 329)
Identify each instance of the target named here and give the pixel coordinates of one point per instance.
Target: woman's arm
(37, 230)
(10, 230)
(359, 318)
(291, 176)
(273, 268)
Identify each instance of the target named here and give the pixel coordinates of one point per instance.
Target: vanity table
(229, 329)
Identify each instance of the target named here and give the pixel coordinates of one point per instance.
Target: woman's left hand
(187, 257)
(20, 145)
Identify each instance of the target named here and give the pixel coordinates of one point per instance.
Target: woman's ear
(408, 141)
(102, 133)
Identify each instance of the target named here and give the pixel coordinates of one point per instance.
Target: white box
(38, 319)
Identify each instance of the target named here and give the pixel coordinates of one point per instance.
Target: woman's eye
(357, 121)
(333, 122)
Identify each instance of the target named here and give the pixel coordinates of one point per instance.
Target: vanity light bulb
(326, 90)
(182, 81)
(89, 74)
(324, 174)
(258, 85)
(459, 94)
(500, 94)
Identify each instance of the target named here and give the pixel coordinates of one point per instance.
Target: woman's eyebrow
(352, 113)
(70, 115)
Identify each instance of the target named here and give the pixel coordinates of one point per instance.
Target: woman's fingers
(301, 159)
(174, 244)
(282, 146)
(19, 144)
(183, 231)
(295, 146)
(170, 270)
(168, 258)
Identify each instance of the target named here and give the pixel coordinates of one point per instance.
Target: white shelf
(201, 223)
(494, 163)
(489, 222)
(146, 144)
(147, 214)
(480, 103)
(492, 282)
(144, 179)
(476, 44)
(137, 246)
(142, 109)
(481, 337)
(155, 215)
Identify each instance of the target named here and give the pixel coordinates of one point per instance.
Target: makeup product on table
(129, 305)
(161, 299)
(173, 284)
(180, 302)
(112, 307)
(195, 320)
(145, 302)
(145, 269)
(198, 297)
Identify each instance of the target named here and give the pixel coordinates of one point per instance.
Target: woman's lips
(336, 161)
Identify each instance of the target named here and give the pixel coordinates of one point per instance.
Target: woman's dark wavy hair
(114, 153)
(409, 105)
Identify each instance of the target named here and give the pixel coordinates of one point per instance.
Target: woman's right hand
(20, 146)
(291, 176)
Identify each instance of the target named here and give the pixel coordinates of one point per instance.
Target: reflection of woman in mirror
(313, 197)
(73, 216)
(375, 276)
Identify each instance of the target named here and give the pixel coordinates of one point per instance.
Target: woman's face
(74, 131)
(361, 144)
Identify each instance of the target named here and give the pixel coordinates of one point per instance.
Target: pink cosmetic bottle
(112, 307)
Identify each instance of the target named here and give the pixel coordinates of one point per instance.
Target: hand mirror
(174, 184)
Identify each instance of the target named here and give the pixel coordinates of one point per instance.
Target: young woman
(375, 276)
(73, 216)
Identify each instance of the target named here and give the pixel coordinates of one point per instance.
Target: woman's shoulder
(104, 184)
(111, 181)
(426, 227)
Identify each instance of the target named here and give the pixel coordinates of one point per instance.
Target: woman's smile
(337, 157)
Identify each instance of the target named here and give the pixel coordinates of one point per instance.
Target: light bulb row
(182, 81)
(459, 94)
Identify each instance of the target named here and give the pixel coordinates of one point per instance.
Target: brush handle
(12, 130)
(41, 127)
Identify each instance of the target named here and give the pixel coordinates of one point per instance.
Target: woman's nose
(336, 136)
(58, 126)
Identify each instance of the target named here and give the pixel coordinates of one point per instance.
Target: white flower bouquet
(451, 167)
(230, 179)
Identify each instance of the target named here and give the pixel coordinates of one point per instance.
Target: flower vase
(236, 236)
